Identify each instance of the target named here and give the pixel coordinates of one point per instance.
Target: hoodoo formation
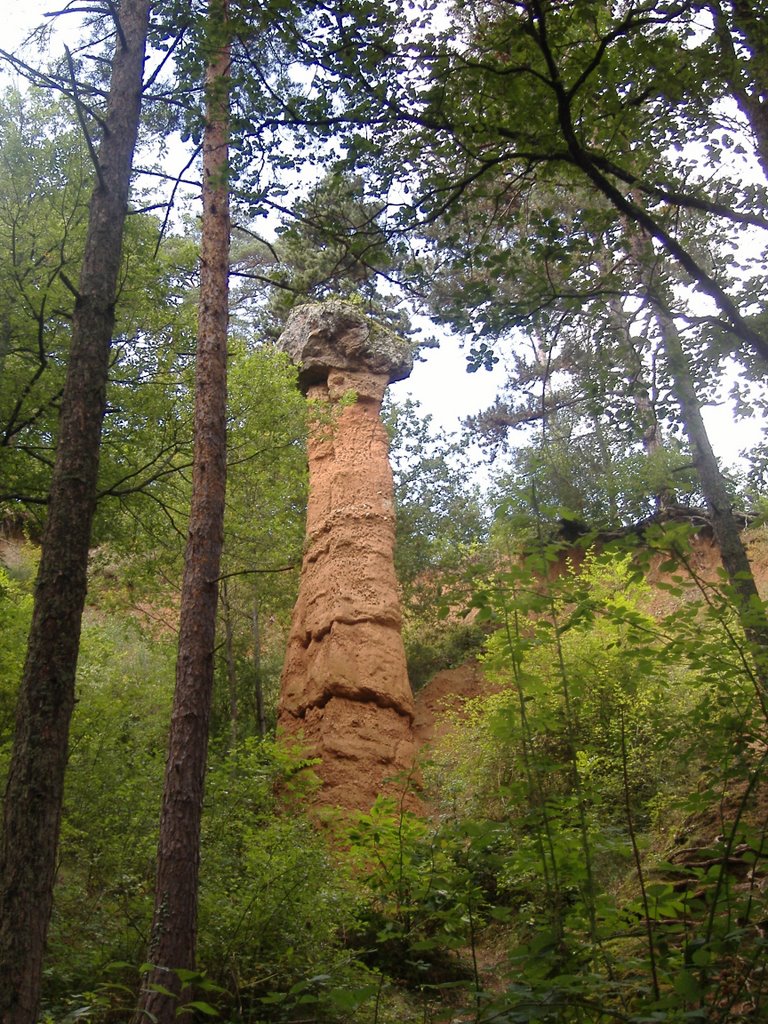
(344, 689)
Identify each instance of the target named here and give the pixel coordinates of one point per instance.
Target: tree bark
(643, 397)
(229, 658)
(258, 681)
(725, 527)
(174, 928)
(718, 501)
(33, 796)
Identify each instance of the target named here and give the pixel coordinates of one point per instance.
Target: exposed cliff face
(345, 690)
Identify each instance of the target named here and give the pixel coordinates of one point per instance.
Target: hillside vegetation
(591, 848)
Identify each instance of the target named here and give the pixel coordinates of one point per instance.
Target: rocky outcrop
(334, 335)
(344, 689)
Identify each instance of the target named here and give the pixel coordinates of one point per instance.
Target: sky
(440, 383)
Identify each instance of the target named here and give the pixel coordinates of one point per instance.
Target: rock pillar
(344, 689)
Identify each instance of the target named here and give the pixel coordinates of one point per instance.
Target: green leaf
(185, 976)
(348, 1000)
(120, 965)
(687, 985)
(424, 944)
(155, 987)
(273, 998)
(658, 889)
(202, 1007)
(669, 566)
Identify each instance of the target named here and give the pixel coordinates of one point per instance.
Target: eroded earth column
(344, 689)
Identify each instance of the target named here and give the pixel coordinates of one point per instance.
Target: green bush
(418, 899)
(113, 786)
(15, 618)
(273, 908)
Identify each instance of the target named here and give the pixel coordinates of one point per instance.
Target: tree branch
(254, 572)
(116, 18)
(172, 199)
(582, 159)
(81, 118)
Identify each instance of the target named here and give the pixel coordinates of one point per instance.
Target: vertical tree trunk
(34, 790)
(719, 506)
(174, 928)
(750, 608)
(643, 397)
(258, 682)
(229, 657)
(608, 478)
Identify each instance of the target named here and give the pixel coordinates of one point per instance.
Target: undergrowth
(595, 849)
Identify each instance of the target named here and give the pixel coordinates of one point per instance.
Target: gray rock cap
(337, 335)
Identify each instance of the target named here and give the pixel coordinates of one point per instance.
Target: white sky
(20, 17)
(440, 383)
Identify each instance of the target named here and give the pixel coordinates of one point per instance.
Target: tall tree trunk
(258, 681)
(643, 394)
(174, 927)
(229, 658)
(33, 796)
(719, 505)
(724, 524)
(606, 471)
(635, 372)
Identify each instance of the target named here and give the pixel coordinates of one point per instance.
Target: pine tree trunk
(33, 796)
(174, 928)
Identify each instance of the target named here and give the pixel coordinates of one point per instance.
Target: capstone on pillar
(344, 689)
